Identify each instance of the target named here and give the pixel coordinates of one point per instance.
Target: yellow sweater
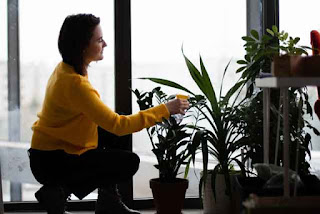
(72, 110)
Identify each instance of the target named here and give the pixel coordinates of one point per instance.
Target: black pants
(82, 174)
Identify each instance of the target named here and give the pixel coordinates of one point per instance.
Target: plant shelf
(283, 83)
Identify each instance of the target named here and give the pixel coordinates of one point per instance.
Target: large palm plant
(220, 139)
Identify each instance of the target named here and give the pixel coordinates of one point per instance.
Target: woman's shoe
(52, 199)
(109, 202)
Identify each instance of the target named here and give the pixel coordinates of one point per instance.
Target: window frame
(261, 15)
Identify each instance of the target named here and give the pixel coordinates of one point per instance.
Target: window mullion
(14, 84)
(123, 95)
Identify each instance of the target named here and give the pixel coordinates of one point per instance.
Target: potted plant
(262, 51)
(171, 144)
(219, 139)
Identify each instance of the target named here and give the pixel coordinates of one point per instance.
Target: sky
(40, 22)
(198, 25)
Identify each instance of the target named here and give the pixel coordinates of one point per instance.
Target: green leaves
(168, 83)
(213, 140)
(203, 82)
(171, 141)
(260, 51)
(270, 32)
(243, 62)
(255, 34)
(248, 38)
(274, 28)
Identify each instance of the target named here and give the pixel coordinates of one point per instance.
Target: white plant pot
(222, 204)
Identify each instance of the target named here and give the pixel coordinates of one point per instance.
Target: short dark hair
(74, 37)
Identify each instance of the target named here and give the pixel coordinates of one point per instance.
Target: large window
(299, 20)
(3, 72)
(39, 51)
(39, 25)
(3, 82)
(212, 29)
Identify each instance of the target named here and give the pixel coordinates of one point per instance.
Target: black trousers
(82, 174)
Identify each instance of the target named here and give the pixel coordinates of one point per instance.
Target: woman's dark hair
(74, 37)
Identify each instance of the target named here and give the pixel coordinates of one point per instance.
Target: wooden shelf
(283, 83)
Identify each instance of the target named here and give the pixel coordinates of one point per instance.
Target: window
(212, 29)
(38, 37)
(300, 26)
(4, 81)
(3, 72)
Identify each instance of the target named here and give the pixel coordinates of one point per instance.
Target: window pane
(4, 86)
(38, 57)
(3, 72)
(306, 22)
(301, 26)
(212, 29)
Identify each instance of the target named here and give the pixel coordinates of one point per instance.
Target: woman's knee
(135, 161)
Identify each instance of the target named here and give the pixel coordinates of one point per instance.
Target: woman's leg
(47, 168)
(109, 200)
(104, 169)
(99, 168)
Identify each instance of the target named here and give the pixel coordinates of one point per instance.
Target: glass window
(38, 57)
(3, 72)
(4, 86)
(300, 26)
(212, 29)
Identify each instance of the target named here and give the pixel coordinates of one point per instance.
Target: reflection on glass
(212, 29)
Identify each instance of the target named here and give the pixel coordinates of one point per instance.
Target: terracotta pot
(306, 66)
(169, 197)
(281, 66)
(296, 66)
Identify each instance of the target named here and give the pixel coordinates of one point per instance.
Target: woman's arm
(85, 99)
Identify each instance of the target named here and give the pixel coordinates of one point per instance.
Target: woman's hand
(177, 106)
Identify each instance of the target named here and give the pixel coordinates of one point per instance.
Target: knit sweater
(72, 110)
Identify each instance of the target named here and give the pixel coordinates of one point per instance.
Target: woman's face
(94, 52)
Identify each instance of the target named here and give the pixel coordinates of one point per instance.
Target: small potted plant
(171, 144)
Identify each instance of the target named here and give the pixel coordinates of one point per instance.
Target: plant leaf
(255, 34)
(209, 90)
(168, 83)
(247, 38)
(274, 28)
(270, 32)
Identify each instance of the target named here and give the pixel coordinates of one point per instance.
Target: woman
(69, 149)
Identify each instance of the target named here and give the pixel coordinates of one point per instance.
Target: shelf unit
(283, 83)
